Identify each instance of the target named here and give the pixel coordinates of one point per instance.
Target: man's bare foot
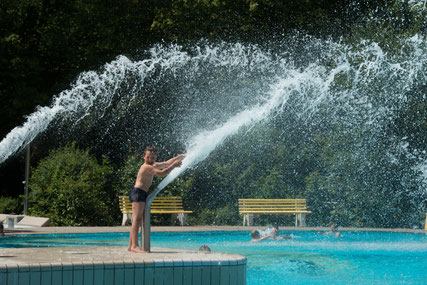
(137, 250)
(129, 248)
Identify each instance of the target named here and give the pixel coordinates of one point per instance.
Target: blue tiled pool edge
(157, 271)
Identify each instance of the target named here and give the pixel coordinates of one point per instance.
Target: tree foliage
(46, 44)
(72, 189)
(10, 205)
(346, 178)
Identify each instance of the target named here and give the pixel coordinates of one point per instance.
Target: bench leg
(251, 219)
(248, 220)
(182, 217)
(300, 220)
(126, 218)
(303, 219)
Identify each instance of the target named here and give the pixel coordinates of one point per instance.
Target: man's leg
(137, 211)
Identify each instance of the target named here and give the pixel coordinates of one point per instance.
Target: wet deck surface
(105, 254)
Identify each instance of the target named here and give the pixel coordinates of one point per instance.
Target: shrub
(72, 189)
(10, 205)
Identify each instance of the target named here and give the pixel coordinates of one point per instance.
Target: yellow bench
(160, 205)
(297, 207)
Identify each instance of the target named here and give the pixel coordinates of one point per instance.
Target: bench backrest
(159, 204)
(272, 205)
(167, 203)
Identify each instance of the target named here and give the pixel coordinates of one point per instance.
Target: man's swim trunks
(137, 195)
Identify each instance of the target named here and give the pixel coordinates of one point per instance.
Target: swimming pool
(308, 258)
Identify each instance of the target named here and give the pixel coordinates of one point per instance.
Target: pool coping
(158, 257)
(124, 229)
(115, 265)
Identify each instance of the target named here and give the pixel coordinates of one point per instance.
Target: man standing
(138, 194)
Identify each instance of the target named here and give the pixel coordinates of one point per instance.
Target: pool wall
(229, 270)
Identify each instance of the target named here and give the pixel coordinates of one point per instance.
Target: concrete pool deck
(114, 264)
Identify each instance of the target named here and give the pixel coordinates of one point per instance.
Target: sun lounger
(3, 218)
(34, 221)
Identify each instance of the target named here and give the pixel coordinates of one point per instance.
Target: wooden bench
(160, 205)
(297, 207)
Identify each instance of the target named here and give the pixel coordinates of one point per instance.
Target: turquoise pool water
(308, 258)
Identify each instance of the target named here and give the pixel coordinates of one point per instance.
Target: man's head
(150, 155)
(255, 234)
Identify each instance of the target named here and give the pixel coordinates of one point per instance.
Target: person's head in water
(255, 234)
(275, 230)
(205, 248)
(335, 231)
(150, 155)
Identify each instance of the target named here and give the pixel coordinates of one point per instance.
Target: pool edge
(179, 267)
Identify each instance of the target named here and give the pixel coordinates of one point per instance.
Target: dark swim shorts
(137, 195)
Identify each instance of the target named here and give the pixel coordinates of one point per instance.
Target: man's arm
(165, 164)
(165, 171)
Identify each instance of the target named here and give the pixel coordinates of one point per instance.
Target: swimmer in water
(333, 232)
(257, 237)
(276, 236)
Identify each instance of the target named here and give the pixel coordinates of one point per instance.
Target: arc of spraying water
(205, 142)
